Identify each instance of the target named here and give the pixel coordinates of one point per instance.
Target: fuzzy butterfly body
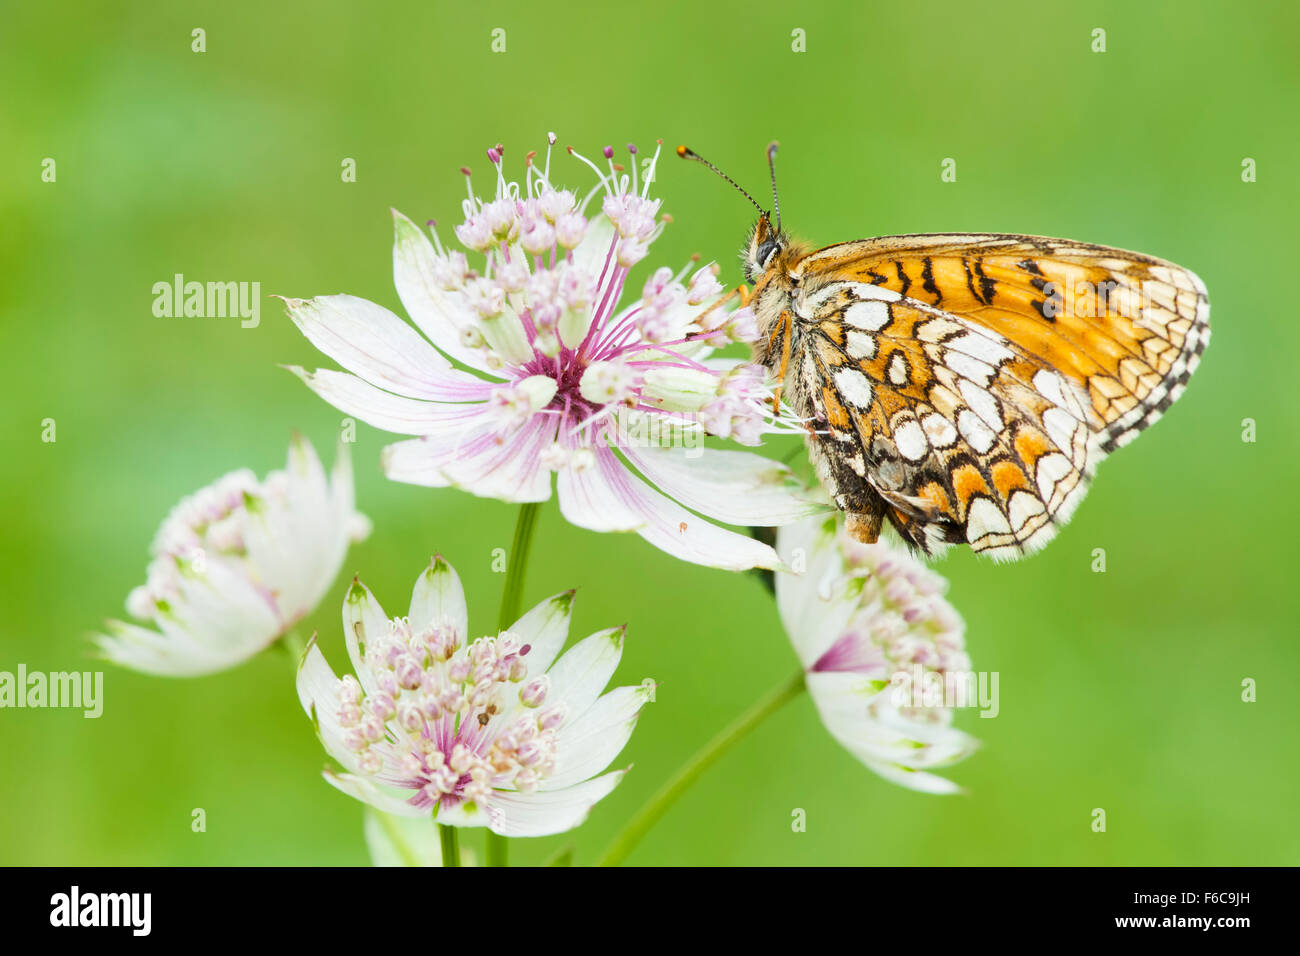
(964, 387)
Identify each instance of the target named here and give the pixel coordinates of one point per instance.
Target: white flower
(865, 620)
(493, 732)
(537, 302)
(236, 565)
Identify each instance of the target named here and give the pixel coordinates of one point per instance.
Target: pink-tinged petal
(684, 535)
(544, 629)
(370, 341)
(393, 413)
(852, 652)
(438, 600)
(440, 315)
(506, 467)
(735, 487)
(545, 812)
(414, 462)
(588, 501)
(381, 798)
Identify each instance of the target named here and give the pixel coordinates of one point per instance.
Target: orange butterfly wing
(965, 386)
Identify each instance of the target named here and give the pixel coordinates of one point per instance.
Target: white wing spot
(872, 316)
(984, 518)
(982, 404)
(1051, 469)
(1022, 507)
(967, 367)
(978, 435)
(1060, 427)
(910, 440)
(935, 330)
(860, 345)
(939, 431)
(1048, 385)
(865, 290)
(853, 386)
(984, 347)
(898, 373)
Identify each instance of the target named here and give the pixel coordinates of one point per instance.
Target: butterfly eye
(765, 252)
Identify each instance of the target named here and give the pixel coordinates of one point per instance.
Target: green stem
(450, 845)
(512, 596)
(703, 759)
(498, 850)
(294, 646)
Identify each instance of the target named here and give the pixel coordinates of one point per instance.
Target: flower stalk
(450, 845)
(511, 601)
(627, 839)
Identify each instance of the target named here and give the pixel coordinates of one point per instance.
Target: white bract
(236, 565)
(566, 377)
(866, 620)
(491, 732)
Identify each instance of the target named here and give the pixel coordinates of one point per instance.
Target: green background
(1119, 690)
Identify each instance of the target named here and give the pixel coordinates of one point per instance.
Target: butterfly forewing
(965, 386)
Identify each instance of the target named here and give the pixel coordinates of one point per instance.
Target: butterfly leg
(700, 320)
(787, 340)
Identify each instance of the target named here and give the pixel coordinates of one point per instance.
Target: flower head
(491, 732)
(236, 564)
(572, 372)
(868, 620)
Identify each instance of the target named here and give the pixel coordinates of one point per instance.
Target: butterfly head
(767, 243)
(765, 249)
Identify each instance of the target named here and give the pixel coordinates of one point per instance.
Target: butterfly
(964, 387)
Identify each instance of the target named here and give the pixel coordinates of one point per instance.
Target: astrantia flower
(490, 732)
(577, 369)
(236, 565)
(865, 621)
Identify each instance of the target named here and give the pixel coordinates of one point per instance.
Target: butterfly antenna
(771, 166)
(685, 153)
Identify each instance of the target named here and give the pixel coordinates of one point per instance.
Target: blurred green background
(1119, 690)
